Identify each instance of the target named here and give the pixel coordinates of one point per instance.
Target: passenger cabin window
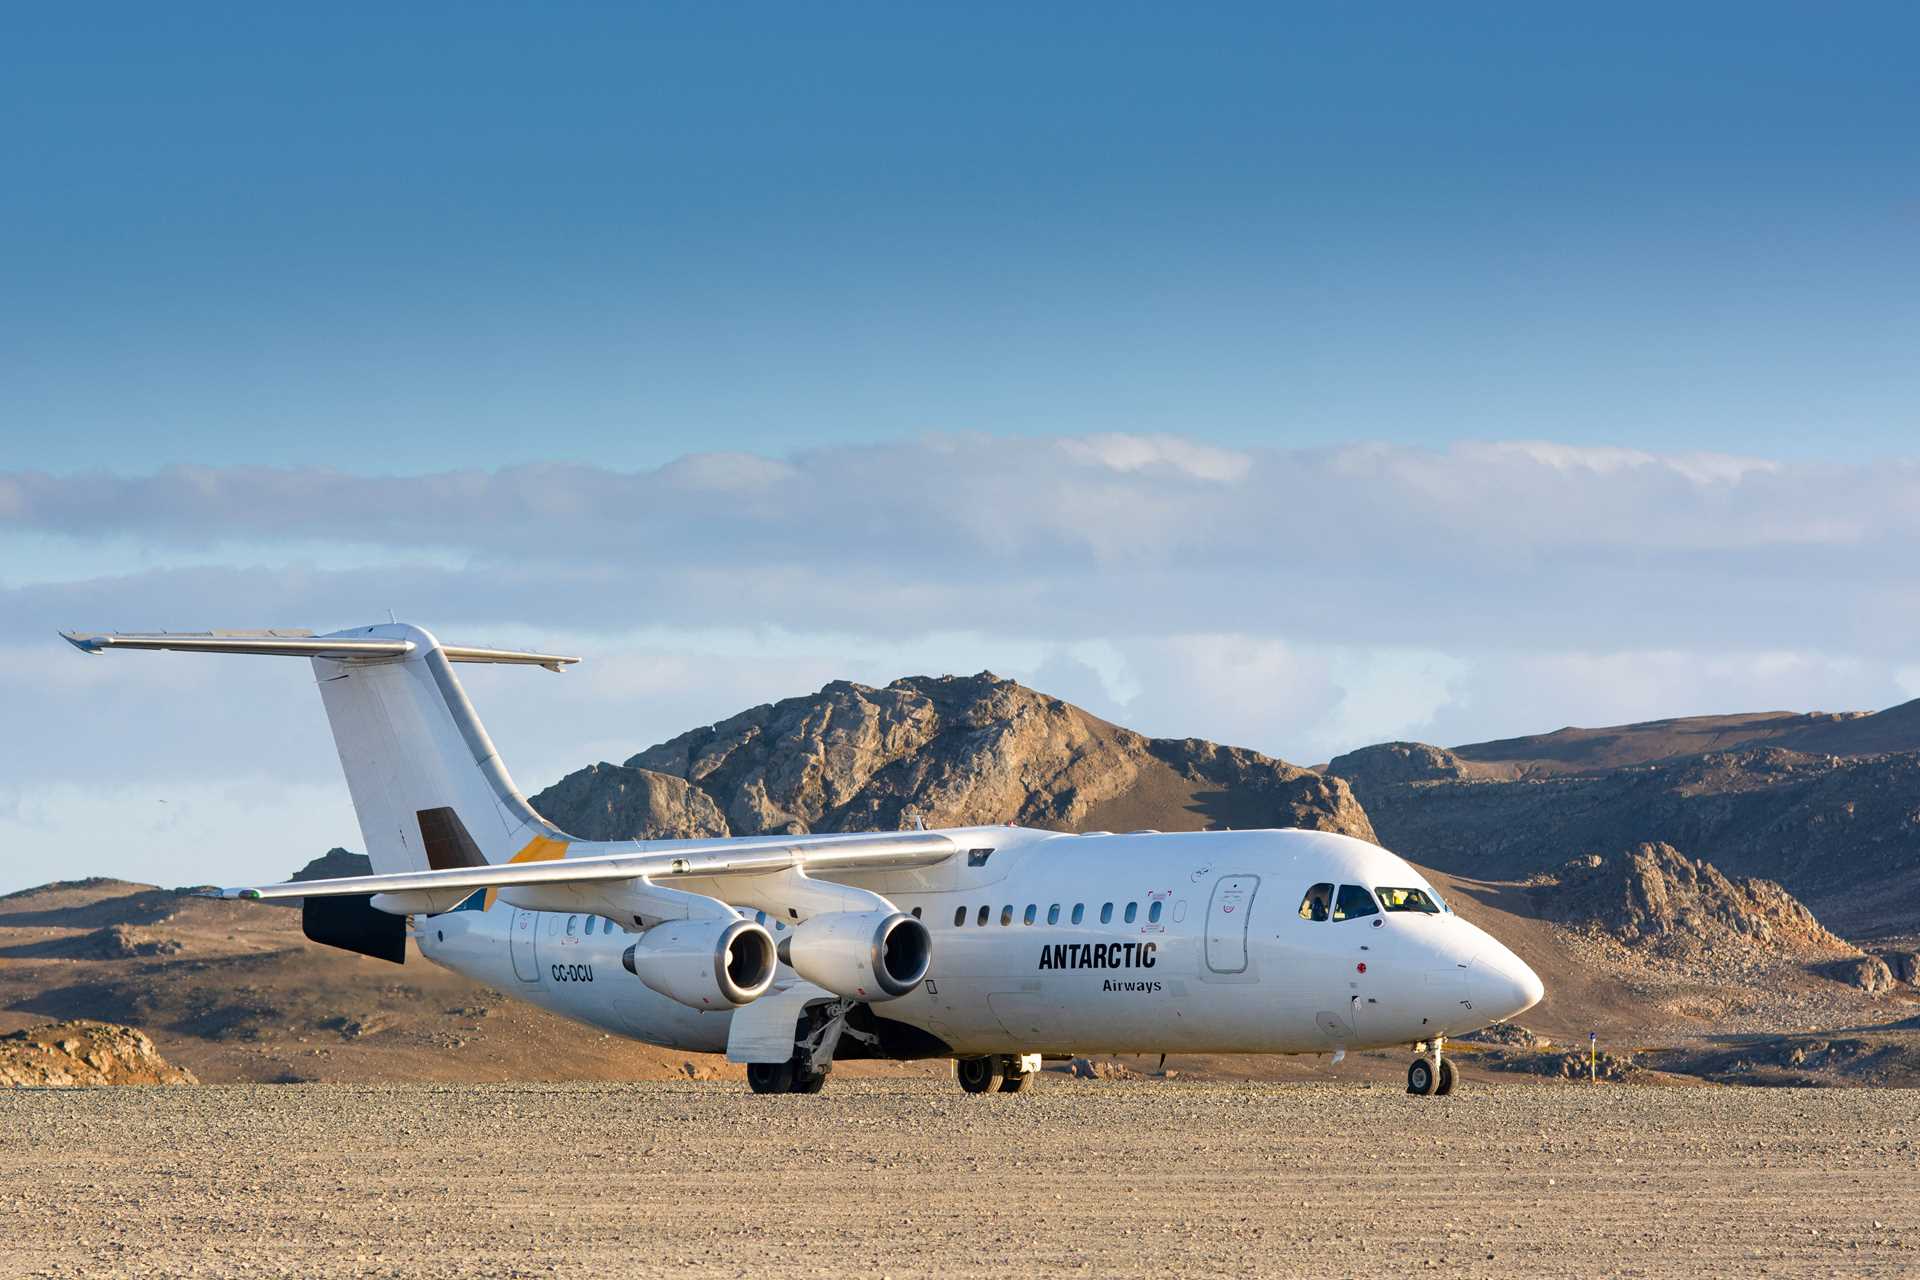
(1106, 913)
(1407, 900)
(1006, 914)
(1133, 909)
(1053, 914)
(959, 916)
(1033, 913)
(1153, 913)
(1318, 902)
(590, 923)
(1079, 912)
(984, 911)
(1353, 902)
(573, 925)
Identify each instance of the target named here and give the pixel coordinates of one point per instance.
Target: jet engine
(860, 955)
(706, 963)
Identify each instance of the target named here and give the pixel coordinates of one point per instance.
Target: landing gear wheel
(809, 1081)
(1014, 1080)
(770, 1077)
(1421, 1080)
(1445, 1084)
(979, 1075)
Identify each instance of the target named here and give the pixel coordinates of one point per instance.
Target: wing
(722, 857)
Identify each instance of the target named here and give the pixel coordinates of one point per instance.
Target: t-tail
(427, 783)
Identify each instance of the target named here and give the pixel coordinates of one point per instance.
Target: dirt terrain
(908, 1178)
(233, 993)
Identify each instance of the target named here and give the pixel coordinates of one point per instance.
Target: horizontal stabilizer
(298, 644)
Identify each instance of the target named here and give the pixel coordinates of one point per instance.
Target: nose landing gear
(997, 1073)
(1430, 1076)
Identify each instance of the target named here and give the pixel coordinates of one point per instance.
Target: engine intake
(860, 955)
(704, 964)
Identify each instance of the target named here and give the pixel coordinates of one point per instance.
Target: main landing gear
(816, 1037)
(1432, 1076)
(997, 1073)
(784, 1077)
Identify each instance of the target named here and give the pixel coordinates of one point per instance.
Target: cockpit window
(1317, 903)
(1407, 900)
(1353, 902)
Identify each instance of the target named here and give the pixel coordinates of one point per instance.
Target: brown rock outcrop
(620, 802)
(65, 1054)
(953, 751)
(1869, 973)
(1655, 897)
(1391, 762)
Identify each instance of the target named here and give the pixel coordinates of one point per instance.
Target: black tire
(809, 1081)
(1445, 1083)
(1017, 1081)
(770, 1077)
(1420, 1079)
(978, 1075)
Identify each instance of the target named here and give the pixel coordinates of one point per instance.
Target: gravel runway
(911, 1177)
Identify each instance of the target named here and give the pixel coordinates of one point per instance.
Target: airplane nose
(1503, 985)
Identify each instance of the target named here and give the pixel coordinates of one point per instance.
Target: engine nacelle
(705, 964)
(860, 955)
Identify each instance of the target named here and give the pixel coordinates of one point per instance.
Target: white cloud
(1300, 602)
(1134, 453)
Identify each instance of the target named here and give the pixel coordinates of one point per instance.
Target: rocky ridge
(1655, 898)
(949, 751)
(1842, 834)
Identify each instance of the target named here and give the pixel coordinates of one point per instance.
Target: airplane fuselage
(1194, 942)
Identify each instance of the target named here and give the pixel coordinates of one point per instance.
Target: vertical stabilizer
(428, 785)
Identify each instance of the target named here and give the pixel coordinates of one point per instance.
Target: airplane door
(526, 960)
(1227, 914)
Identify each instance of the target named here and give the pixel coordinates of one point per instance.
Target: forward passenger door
(1228, 911)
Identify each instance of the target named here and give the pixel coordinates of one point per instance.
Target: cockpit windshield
(1352, 903)
(1408, 900)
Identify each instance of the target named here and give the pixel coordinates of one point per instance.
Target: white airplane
(995, 946)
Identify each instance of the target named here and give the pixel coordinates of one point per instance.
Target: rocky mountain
(1842, 834)
(952, 751)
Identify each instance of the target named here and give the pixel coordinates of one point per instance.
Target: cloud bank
(1298, 601)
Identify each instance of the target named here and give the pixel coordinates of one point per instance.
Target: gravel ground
(903, 1177)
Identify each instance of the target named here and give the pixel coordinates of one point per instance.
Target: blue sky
(1294, 377)
(406, 237)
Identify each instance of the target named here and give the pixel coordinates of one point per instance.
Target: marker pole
(1593, 1057)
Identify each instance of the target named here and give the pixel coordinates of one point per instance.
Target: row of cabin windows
(1077, 914)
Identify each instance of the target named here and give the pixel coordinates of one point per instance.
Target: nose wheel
(1431, 1074)
(997, 1073)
